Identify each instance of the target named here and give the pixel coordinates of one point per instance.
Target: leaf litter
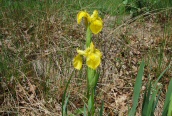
(39, 90)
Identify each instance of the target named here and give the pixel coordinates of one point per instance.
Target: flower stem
(88, 37)
(93, 107)
(90, 76)
(88, 41)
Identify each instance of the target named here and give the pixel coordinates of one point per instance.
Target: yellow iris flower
(94, 21)
(93, 57)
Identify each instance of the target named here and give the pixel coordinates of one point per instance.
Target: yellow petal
(92, 46)
(83, 14)
(93, 61)
(95, 15)
(92, 49)
(98, 53)
(77, 62)
(96, 26)
(81, 52)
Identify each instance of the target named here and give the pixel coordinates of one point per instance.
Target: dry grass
(36, 57)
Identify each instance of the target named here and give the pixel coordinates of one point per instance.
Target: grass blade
(65, 106)
(151, 103)
(101, 109)
(155, 102)
(167, 99)
(137, 88)
(64, 96)
(85, 111)
(160, 76)
(80, 111)
(146, 98)
(170, 107)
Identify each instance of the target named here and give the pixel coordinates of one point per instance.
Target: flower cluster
(92, 55)
(94, 21)
(94, 24)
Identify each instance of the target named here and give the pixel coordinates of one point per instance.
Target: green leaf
(96, 78)
(152, 102)
(146, 98)
(85, 111)
(72, 115)
(170, 107)
(125, 2)
(64, 108)
(167, 99)
(101, 109)
(80, 111)
(91, 75)
(90, 104)
(150, 105)
(160, 76)
(137, 88)
(156, 102)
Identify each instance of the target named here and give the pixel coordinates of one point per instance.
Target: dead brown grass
(40, 61)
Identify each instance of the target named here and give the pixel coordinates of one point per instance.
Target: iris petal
(94, 21)
(92, 55)
(94, 16)
(92, 47)
(81, 52)
(93, 61)
(96, 26)
(98, 53)
(77, 62)
(83, 14)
